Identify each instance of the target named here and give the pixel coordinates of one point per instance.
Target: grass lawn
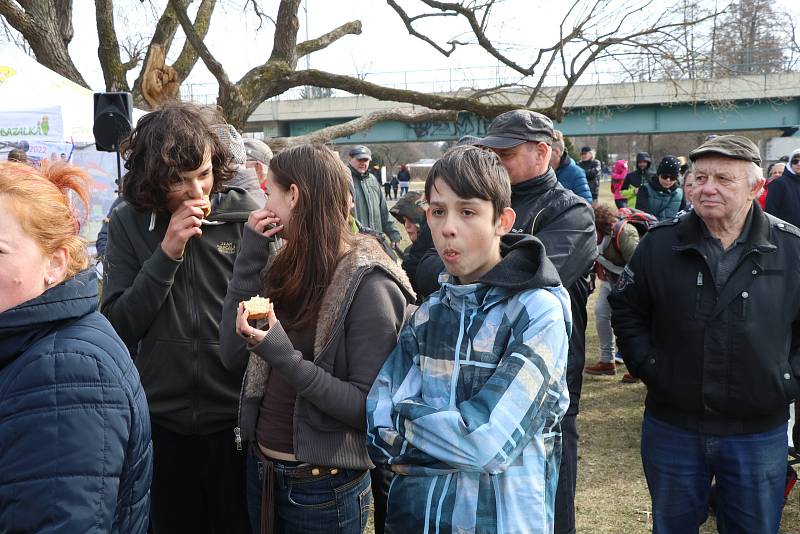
(612, 493)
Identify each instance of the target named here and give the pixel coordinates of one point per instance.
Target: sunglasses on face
(795, 161)
(670, 178)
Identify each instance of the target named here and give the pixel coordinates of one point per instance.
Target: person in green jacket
(371, 208)
(170, 254)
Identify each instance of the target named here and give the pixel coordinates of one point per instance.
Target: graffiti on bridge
(466, 124)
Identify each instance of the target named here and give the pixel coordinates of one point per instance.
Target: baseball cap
(729, 146)
(468, 140)
(513, 128)
(586, 149)
(360, 151)
(257, 150)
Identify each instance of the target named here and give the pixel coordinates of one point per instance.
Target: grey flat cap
(513, 128)
(729, 146)
(257, 150)
(360, 150)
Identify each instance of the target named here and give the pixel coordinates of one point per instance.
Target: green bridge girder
(783, 114)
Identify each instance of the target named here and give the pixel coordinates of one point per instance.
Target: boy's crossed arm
(485, 433)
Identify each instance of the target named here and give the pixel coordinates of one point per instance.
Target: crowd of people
(435, 387)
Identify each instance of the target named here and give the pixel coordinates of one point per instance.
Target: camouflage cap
(231, 139)
(411, 206)
(729, 146)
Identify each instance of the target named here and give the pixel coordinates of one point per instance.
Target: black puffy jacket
(722, 363)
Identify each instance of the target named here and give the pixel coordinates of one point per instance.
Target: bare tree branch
(428, 100)
(108, 47)
(324, 41)
(211, 63)
(409, 22)
(48, 36)
(260, 14)
(284, 47)
(188, 57)
(15, 16)
(360, 124)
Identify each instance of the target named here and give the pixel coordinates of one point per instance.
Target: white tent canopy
(54, 117)
(36, 104)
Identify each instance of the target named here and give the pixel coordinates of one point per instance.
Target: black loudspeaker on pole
(113, 120)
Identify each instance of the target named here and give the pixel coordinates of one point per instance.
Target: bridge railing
(450, 80)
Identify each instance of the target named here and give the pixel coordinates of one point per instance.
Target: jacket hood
(233, 205)
(788, 168)
(565, 160)
(28, 322)
(620, 169)
(245, 178)
(524, 265)
(643, 156)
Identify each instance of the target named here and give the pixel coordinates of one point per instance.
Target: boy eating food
(466, 410)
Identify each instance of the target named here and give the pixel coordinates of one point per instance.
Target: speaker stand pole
(119, 172)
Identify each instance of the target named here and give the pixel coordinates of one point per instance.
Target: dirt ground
(612, 492)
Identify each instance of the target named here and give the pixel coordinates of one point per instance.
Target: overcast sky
(384, 45)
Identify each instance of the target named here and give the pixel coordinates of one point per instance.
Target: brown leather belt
(301, 471)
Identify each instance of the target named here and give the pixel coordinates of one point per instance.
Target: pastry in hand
(206, 207)
(258, 307)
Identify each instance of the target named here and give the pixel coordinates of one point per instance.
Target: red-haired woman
(339, 305)
(75, 452)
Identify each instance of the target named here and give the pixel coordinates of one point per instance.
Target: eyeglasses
(795, 161)
(671, 178)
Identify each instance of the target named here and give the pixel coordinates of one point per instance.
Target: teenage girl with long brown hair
(339, 302)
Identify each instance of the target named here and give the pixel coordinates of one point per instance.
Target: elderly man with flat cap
(565, 224)
(707, 314)
(371, 209)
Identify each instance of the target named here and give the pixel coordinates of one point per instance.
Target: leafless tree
(46, 25)
(592, 33)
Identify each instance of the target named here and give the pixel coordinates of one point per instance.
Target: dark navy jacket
(75, 449)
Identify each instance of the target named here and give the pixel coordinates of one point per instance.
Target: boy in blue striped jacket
(466, 410)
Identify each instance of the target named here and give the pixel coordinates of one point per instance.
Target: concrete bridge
(724, 104)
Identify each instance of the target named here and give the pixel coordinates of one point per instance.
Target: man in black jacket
(592, 169)
(641, 174)
(565, 224)
(707, 314)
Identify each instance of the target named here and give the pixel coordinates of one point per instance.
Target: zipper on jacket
(195, 328)
(457, 359)
(237, 432)
(698, 293)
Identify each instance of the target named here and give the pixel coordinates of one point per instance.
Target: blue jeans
(326, 504)
(749, 469)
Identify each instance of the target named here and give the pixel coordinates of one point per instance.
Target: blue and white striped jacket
(467, 409)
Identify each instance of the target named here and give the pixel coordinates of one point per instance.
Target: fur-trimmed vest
(367, 295)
